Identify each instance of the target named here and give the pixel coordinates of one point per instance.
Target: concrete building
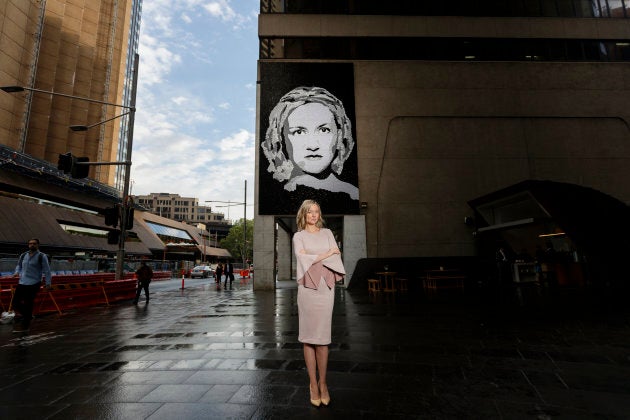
(187, 210)
(452, 101)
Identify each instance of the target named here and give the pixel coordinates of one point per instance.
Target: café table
(444, 279)
(387, 280)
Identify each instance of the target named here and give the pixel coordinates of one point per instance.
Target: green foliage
(233, 242)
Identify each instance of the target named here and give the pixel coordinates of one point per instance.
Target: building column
(354, 243)
(264, 253)
(286, 258)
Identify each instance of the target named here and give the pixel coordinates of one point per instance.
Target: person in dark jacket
(144, 274)
(218, 274)
(229, 273)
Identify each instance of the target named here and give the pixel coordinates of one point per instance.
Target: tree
(233, 242)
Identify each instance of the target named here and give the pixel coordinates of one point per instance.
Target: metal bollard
(183, 281)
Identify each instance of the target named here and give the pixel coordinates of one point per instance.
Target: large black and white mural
(307, 138)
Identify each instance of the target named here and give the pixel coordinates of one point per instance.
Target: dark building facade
(453, 101)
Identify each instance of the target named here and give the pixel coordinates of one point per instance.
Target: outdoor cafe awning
(214, 252)
(203, 250)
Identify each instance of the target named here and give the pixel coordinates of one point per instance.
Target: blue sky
(196, 101)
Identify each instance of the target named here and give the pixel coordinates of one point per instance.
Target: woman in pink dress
(319, 266)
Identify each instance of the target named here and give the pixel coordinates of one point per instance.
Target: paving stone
(205, 354)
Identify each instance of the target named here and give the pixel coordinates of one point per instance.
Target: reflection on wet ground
(202, 353)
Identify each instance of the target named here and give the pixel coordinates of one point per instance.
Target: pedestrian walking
(229, 273)
(31, 267)
(218, 273)
(144, 274)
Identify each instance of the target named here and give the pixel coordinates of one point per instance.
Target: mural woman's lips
(313, 157)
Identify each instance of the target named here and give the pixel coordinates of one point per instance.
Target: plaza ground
(203, 353)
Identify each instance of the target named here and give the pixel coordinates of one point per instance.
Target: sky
(196, 101)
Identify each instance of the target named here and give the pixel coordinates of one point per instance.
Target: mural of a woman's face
(311, 135)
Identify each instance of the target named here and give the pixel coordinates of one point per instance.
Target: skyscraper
(83, 49)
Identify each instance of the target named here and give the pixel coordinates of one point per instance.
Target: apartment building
(448, 103)
(187, 210)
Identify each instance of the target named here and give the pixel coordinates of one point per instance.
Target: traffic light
(113, 236)
(129, 220)
(80, 171)
(69, 164)
(111, 216)
(65, 162)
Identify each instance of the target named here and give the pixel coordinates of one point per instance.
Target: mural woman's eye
(297, 131)
(324, 129)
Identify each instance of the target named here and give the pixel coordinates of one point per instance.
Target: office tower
(83, 49)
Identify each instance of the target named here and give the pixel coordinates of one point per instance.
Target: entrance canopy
(595, 223)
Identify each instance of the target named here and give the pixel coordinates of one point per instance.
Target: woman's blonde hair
(300, 219)
(274, 145)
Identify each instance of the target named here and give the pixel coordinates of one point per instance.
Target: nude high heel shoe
(316, 402)
(325, 401)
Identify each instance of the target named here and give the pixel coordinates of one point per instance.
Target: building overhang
(594, 221)
(21, 174)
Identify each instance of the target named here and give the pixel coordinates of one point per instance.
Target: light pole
(120, 257)
(131, 112)
(244, 204)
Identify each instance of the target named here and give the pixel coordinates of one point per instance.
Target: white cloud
(156, 61)
(186, 18)
(220, 9)
(179, 145)
(239, 145)
(169, 161)
(184, 165)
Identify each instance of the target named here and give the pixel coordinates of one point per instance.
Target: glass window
(503, 8)
(515, 8)
(616, 8)
(574, 50)
(466, 7)
(292, 48)
(585, 8)
(556, 50)
(618, 51)
(591, 50)
(566, 8)
(386, 48)
(532, 7)
(549, 8)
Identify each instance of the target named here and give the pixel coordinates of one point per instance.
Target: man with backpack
(31, 266)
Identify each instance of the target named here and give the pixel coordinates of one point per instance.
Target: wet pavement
(202, 353)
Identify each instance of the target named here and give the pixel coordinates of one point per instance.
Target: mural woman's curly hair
(274, 144)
